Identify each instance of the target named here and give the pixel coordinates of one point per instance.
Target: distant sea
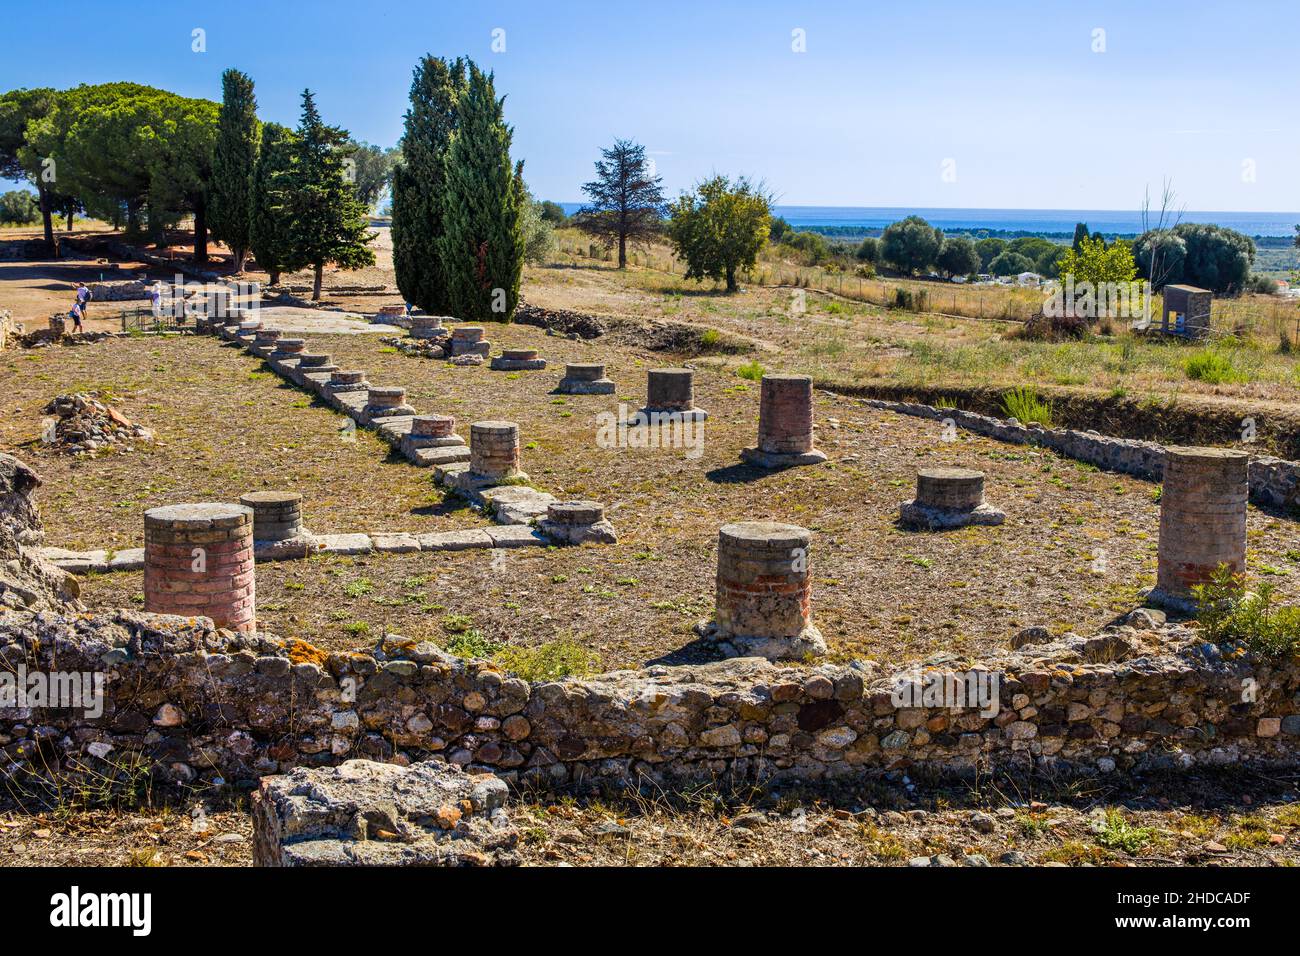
(1034, 221)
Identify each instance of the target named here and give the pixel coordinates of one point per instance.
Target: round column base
(772, 459)
(919, 517)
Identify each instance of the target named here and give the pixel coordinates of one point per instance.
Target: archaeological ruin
(433, 743)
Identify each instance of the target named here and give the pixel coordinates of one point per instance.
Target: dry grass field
(1077, 545)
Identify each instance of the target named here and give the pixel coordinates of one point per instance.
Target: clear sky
(921, 104)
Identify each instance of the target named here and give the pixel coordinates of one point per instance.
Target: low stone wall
(209, 705)
(1274, 482)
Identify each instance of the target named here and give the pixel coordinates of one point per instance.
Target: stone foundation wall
(209, 705)
(1274, 482)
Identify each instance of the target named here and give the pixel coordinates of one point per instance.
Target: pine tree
(482, 244)
(627, 201)
(419, 179)
(327, 223)
(233, 161)
(269, 225)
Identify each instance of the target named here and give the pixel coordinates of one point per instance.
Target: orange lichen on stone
(448, 816)
(300, 652)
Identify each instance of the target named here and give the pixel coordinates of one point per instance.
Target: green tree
(1048, 262)
(180, 148)
(957, 257)
(869, 250)
(719, 228)
(989, 249)
(1160, 256)
(1199, 254)
(129, 147)
(233, 160)
(19, 208)
(539, 233)
(372, 171)
(553, 213)
(419, 180)
(1080, 233)
(910, 245)
(269, 216)
(626, 201)
(482, 242)
(1098, 263)
(1010, 264)
(811, 245)
(327, 223)
(18, 161)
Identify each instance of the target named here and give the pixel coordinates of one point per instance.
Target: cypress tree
(419, 179)
(482, 244)
(1080, 234)
(268, 211)
(233, 161)
(327, 222)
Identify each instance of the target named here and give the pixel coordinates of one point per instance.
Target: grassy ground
(841, 340)
(1077, 544)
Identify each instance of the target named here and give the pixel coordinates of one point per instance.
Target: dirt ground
(1220, 821)
(1077, 544)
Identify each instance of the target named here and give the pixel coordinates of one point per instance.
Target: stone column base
(926, 518)
(286, 549)
(807, 643)
(578, 386)
(1175, 603)
(601, 532)
(517, 365)
(773, 459)
(661, 416)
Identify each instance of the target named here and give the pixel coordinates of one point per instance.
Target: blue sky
(920, 104)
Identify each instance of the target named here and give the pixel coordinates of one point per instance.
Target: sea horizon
(1055, 221)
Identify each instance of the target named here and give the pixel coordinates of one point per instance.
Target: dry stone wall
(211, 705)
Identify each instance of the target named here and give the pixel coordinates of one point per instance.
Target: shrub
(1228, 613)
(1212, 366)
(1261, 284)
(563, 657)
(1025, 405)
(1116, 833)
(472, 643)
(918, 301)
(457, 623)
(752, 371)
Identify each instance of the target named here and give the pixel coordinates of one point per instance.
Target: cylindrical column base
(198, 561)
(494, 450)
(277, 515)
(1202, 517)
(764, 591)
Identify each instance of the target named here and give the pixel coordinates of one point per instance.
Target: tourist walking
(75, 314)
(84, 295)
